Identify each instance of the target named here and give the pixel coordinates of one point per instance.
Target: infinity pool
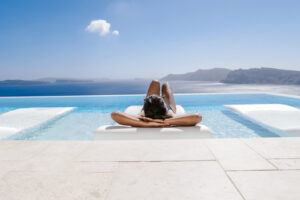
(94, 111)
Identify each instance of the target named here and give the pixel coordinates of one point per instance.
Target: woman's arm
(140, 121)
(184, 120)
(136, 121)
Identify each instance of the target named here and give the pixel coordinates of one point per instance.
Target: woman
(158, 111)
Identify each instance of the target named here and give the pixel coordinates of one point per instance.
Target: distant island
(44, 81)
(20, 82)
(240, 76)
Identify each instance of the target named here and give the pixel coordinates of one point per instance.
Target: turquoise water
(94, 111)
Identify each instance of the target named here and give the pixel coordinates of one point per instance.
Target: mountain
(263, 76)
(21, 82)
(43, 81)
(240, 76)
(66, 80)
(215, 75)
(49, 80)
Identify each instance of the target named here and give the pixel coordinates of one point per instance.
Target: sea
(124, 87)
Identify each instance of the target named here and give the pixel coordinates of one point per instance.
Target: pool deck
(251, 169)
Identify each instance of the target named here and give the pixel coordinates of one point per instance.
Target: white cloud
(115, 32)
(100, 26)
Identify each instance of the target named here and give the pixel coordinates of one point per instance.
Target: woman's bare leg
(167, 95)
(154, 88)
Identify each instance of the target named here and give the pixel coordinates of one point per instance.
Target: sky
(144, 39)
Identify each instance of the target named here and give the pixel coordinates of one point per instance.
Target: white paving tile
(276, 147)
(7, 166)
(66, 150)
(6, 143)
(267, 185)
(63, 166)
(171, 181)
(42, 165)
(236, 155)
(21, 150)
(58, 157)
(93, 167)
(286, 163)
(48, 186)
(146, 150)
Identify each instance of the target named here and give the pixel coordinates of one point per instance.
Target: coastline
(110, 95)
(138, 88)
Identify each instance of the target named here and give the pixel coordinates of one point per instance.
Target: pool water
(94, 111)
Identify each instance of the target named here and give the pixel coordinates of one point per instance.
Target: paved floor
(262, 168)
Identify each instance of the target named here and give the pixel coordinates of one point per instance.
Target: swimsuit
(169, 107)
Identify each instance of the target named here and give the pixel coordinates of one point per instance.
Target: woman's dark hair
(155, 107)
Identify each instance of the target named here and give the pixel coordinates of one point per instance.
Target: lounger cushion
(128, 132)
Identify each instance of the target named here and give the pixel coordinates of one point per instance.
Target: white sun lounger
(25, 118)
(279, 116)
(128, 132)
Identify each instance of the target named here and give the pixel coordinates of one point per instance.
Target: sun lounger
(25, 118)
(128, 132)
(279, 116)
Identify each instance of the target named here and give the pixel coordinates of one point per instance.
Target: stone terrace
(251, 169)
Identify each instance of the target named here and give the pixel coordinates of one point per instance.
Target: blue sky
(52, 39)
